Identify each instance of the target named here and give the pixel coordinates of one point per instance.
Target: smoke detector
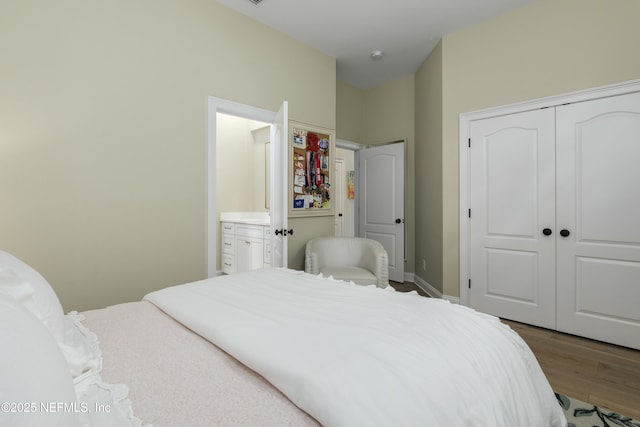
(376, 55)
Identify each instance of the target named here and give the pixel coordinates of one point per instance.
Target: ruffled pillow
(26, 285)
(37, 389)
(44, 302)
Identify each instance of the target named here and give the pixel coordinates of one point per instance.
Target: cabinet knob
(564, 232)
(547, 232)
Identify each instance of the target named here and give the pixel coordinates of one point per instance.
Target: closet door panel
(512, 262)
(595, 299)
(598, 201)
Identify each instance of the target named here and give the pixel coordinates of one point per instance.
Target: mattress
(177, 378)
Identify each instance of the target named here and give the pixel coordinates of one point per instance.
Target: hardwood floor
(407, 287)
(595, 372)
(599, 373)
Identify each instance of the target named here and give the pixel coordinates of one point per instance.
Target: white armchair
(363, 261)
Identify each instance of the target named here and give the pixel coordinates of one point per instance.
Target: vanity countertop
(254, 218)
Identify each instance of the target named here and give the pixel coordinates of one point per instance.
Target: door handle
(547, 232)
(564, 232)
(285, 232)
(398, 220)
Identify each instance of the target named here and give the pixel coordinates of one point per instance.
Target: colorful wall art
(312, 150)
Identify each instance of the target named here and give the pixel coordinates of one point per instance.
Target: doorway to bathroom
(242, 198)
(246, 173)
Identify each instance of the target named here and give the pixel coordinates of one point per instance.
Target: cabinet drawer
(227, 263)
(249, 230)
(228, 244)
(228, 227)
(267, 232)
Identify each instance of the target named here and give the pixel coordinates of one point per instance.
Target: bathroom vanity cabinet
(246, 245)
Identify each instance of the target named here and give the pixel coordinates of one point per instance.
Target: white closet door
(512, 187)
(598, 200)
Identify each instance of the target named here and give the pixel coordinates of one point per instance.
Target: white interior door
(381, 202)
(279, 193)
(339, 196)
(512, 217)
(598, 145)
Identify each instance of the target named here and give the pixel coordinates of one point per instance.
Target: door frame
(355, 147)
(465, 120)
(215, 106)
(339, 184)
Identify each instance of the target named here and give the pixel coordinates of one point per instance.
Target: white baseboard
(409, 277)
(425, 286)
(433, 292)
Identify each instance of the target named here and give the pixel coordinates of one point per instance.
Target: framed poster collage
(311, 152)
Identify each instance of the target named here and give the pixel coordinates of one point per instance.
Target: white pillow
(46, 305)
(16, 287)
(37, 389)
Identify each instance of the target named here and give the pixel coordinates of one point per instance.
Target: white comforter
(362, 356)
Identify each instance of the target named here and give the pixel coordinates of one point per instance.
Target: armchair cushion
(357, 275)
(363, 261)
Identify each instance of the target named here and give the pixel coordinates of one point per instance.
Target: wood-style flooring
(595, 372)
(407, 287)
(599, 373)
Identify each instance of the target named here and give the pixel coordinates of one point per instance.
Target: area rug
(582, 414)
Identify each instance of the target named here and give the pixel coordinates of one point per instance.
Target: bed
(269, 347)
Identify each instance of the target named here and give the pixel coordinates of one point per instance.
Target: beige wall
(349, 112)
(103, 120)
(547, 48)
(388, 114)
(306, 229)
(389, 111)
(240, 165)
(429, 170)
(242, 154)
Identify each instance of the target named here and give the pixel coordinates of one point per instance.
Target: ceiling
(349, 30)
